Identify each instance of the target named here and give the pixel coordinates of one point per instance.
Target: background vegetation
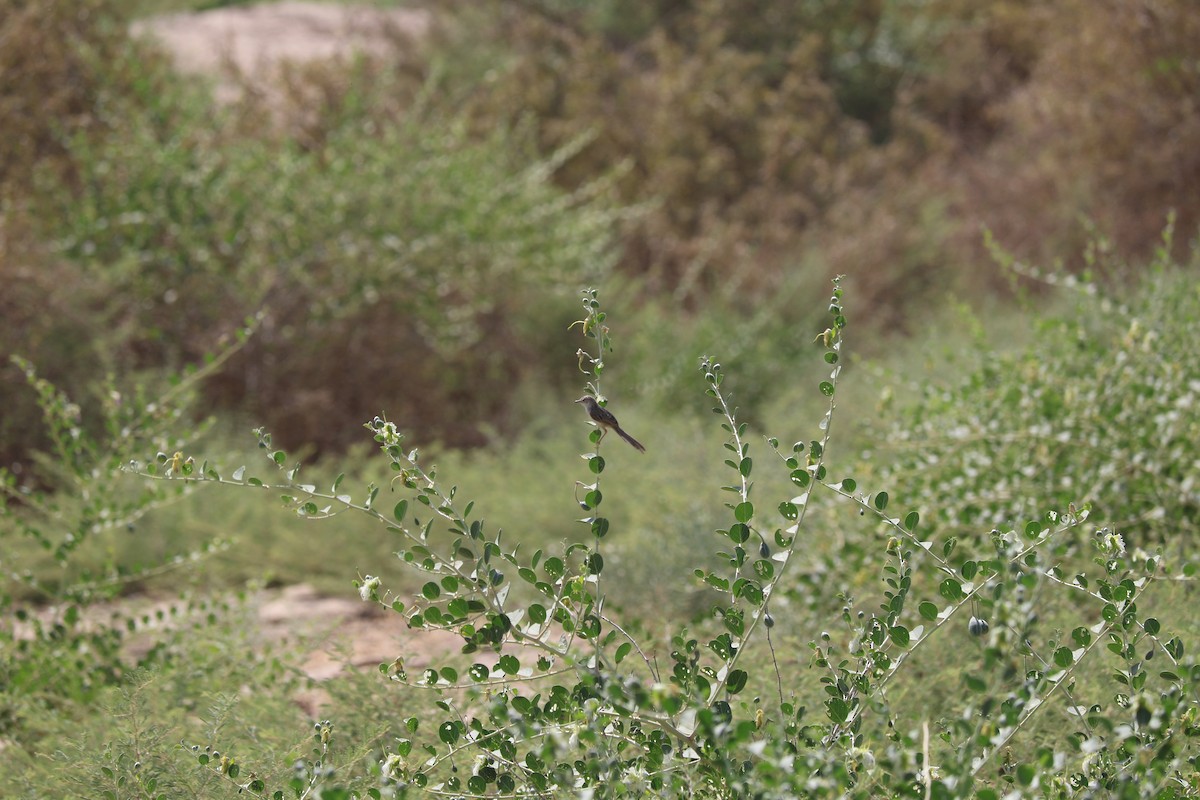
(407, 232)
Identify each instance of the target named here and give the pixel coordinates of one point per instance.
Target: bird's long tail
(630, 439)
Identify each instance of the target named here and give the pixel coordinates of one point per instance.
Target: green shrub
(558, 694)
(400, 230)
(47, 326)
(59, 649)
(65, 65)
(1099, 411)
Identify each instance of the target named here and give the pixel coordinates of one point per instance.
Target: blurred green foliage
(430, 204)
(1099, 411)
(401, 261)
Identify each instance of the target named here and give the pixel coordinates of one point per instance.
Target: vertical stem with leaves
(753, 580)
(593, 327)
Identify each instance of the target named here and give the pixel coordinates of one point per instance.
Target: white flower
(369, 588)
(393, 766)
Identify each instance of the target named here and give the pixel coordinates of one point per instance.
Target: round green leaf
(752, 592)
(744, 512)
(881, 500)
(1063, 657)
(951, 589)
(927, 610)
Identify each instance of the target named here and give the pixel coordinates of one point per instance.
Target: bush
(728, 130)
(60, 655)
(1098, 412)
(66, 65)
(380, 229)
(764, 146)
(557, 695)
(62, 62)
(874, 139)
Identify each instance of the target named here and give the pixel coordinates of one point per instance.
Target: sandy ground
(255, 40)
(345, 633)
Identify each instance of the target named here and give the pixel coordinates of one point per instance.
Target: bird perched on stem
(606, 422)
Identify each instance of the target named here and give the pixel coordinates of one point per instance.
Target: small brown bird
(606, 421)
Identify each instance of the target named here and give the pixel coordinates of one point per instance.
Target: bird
(606, 421)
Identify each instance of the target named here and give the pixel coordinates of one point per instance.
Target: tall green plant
(57, 651)
(559, 696)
